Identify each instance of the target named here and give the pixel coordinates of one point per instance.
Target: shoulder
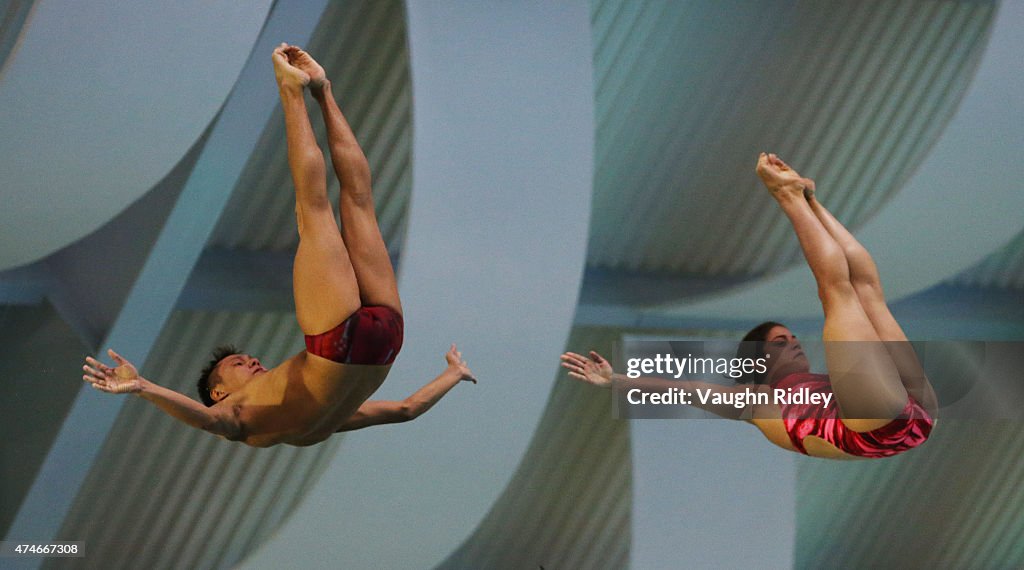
(227, 419)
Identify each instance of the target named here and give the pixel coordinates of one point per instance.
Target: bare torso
(303, 400)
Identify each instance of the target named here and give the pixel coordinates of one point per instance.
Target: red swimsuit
(905, 432)
(371, 335)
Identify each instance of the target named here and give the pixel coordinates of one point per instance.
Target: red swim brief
(371, 335)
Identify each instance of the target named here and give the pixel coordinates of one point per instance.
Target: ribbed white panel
(955, 502)
(1004, 269)
(851, 93)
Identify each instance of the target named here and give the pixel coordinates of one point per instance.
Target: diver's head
(228, 371)
(778, 346)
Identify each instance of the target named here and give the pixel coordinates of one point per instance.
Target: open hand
(123, 379)
(594, 370)
(455, 362)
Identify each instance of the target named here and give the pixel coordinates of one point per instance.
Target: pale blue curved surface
(964, 202)
(101, 99)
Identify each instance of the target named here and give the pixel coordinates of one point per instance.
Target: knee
(311, 207)
(351, 166)
(868, 288)
(312, 203)
(357, 194)
(835, 290)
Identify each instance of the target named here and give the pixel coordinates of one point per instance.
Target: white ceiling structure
(908, 114)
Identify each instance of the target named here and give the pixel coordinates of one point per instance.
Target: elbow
(409, 411)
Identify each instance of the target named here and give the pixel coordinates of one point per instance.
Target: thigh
(865, 380)
(900, 350)
(323, 281)
(369, 255)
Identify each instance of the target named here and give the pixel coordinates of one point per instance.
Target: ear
(217, 394)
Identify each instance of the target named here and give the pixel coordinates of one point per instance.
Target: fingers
(765, 166)
(574, 356)
(575, 367)
(93, 372)
(454, 353)
(103, 368)
(574, 359)
(98, 383)
(581, 360)
(117, 357)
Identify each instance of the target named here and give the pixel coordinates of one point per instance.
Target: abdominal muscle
(304, 400)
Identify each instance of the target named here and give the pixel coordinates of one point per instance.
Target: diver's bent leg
(868, 286)
(865, 381)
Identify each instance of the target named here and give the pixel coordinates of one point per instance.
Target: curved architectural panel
(963, 202)
(493, 257)
(569, 503)
(688, 93)
(710, 494)
(181, 497)
(953, 503)
(101, 100)
(12, 21)
(1003, 269)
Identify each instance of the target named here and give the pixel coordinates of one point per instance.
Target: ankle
(290, 89)
(788, 195)
(320, 89)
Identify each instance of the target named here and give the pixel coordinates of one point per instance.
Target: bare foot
(287, 74)
(305, 62)
(782, 180)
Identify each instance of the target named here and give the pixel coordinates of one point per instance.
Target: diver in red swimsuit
(882, 402)
(346, 303)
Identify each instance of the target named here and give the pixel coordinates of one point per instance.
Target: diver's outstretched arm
(377, 412)
(219, 419)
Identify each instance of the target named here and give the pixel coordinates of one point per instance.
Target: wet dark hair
(203, 385)
(752, 346)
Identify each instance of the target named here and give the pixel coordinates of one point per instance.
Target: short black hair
(203, 385)
(752, 346)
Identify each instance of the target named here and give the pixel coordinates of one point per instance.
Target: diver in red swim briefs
(346, 303)
(875, 401)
